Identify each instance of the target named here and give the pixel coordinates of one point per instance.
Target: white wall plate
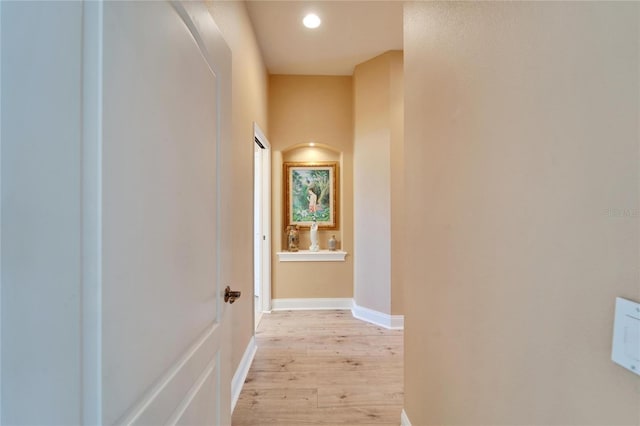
(626, 335)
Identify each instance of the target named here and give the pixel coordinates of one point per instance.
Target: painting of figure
(310, 194)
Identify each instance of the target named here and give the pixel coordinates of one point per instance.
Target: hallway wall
(522, 161)
(378, 183)
(249, 92)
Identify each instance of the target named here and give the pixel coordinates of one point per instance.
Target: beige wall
(249, 92)
(522, 158)
(303, 109)
(378, 184)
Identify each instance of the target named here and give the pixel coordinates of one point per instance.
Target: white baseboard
(310, 304)
(391, 322)
(404, 419)
(241, 372)
(397, 322)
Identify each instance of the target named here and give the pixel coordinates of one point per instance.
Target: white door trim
(265, 299)
(0, 215)
(92, 212)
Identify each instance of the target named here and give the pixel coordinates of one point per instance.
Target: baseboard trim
(404, 419)
(241, 372)
(397, 322)
(311, 304)
(391, 322)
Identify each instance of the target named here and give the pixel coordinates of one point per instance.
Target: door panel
(199, 402)
(161, 329)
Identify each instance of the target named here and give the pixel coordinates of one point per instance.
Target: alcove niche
(310, 279)
(309, 155)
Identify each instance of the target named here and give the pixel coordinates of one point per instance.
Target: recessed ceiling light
(311, 21)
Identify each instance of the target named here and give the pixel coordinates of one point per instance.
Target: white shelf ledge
(312, 256)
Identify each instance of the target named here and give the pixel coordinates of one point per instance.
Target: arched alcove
(318, 153)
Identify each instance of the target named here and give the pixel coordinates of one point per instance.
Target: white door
(162, 311)
(132, 207)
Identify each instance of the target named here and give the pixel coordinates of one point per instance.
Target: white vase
(314, 237)
(333, 243)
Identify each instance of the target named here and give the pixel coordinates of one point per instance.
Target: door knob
(230, 296)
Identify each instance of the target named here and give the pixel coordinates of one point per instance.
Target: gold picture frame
(311, 191)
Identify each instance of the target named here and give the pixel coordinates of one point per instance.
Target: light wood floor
(322, 367)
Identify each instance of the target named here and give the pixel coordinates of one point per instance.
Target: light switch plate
(626, 335)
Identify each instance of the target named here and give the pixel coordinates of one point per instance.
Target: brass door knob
(230, 296)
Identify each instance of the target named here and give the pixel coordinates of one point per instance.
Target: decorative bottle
(333, 243)
(293, 237)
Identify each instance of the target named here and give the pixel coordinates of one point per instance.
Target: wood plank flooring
(322, 368)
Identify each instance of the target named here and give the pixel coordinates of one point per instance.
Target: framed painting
(311, 193)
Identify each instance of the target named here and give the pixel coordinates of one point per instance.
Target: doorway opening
(261, 224)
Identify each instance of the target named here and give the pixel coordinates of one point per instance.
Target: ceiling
(352, 32)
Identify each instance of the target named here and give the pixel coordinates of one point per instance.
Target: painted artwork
(311, 194)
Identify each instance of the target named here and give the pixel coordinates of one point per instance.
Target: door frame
(265, 294)
(1, 215)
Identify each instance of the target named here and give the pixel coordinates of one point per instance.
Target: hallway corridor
(323, 368)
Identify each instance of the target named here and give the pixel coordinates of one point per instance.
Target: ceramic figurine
(293, 237)
(314, 237)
